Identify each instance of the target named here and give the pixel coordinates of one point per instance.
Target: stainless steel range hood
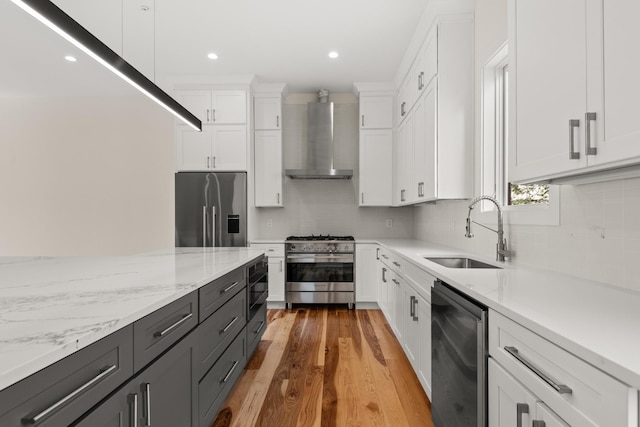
(320, 143)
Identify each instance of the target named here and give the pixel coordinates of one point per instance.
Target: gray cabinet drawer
(216, 293)
(62, 392)
(217, 332)
(218, 382)
(255, 329)
(158, 331)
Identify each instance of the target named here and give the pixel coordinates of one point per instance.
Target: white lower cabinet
(512, 405)
(404, 298)
(275, 256)
(559, 388)
(366, 277)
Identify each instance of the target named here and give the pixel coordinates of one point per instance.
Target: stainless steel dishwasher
(459, 359)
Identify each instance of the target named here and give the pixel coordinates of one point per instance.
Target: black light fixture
(54, 18)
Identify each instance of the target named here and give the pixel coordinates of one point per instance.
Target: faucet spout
(501, 247)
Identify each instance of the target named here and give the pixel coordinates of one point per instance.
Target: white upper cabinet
(376, 175)
(434, 153)
(268, 168)
(267, 145)
(268, 113)
(216, 148)
(574, 87)
(215, 106)
(376, 112)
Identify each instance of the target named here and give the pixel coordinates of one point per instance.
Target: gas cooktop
(320, 238)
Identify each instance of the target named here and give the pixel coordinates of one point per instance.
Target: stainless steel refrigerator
(211, 209)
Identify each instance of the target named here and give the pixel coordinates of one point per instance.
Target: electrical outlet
(269, 222)
(389, 223)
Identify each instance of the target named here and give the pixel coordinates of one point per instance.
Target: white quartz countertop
(52, 307)
(597, 322)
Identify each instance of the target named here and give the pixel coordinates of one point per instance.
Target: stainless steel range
(320, 270)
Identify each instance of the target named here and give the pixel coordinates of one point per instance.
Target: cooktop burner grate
(320, 238)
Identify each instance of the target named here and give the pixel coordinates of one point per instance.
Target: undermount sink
(460, 262)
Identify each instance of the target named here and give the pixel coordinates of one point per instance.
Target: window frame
(493, 158)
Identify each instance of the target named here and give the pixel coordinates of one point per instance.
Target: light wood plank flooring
(327, 366)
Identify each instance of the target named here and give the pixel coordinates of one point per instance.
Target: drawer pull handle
(395, 281)
(259, 328)
(226, 328)
(147, 403)
(227, 289)
(384, 256)
(233, 368)
(560, 388)
(51, 409)
(521, 408)
(397, 264)
(133, 401)
(185, 317)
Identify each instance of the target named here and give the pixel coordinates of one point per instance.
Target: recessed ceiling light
(70, 58)
(333, 54)
(212, 56)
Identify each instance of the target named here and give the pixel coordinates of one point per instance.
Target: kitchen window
(523, 204)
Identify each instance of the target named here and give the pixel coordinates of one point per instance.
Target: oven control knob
(292, 247)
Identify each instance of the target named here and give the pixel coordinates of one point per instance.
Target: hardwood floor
(327, 366)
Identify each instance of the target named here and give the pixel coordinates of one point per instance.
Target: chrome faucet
(501, 247)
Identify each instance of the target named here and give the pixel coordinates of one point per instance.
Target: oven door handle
(310, 258)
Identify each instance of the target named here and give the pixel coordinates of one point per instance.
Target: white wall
(85, 176)
(326, 206)
(599, 233)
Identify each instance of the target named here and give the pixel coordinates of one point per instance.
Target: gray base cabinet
(172, 368)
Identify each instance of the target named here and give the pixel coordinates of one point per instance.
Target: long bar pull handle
(228, 288)
(213, 115)
(146, 397)
(184, 318)
(377, 253)
(277, 121)
(397, 264)
(384, 256)
(384, 275)
(395, 281)
(226, 328)
(204, 226)
(257, 331)
(415, 311)
(214, 162)
(208, 162)
(573, 124)
(362, 121)
(51, 409)
(226, 377)
(560, 388)
(521, 409)
(207, 115)
(362, 198)
(213, 226)
(411, 306)
(589, 150)
(539, 423)
(133, 409)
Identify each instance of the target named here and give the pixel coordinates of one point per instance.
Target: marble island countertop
(51, 307)
(597, 322)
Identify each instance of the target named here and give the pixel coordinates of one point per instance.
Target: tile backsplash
(598, 237)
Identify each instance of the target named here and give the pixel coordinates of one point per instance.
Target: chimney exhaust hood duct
(320, 143)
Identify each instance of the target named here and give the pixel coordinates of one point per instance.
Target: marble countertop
(597, 322)
(52, 307)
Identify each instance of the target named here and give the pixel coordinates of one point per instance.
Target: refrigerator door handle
(213, 226)
(204, 226)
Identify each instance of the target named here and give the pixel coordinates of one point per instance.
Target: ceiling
(286, 41)
(278, 41)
